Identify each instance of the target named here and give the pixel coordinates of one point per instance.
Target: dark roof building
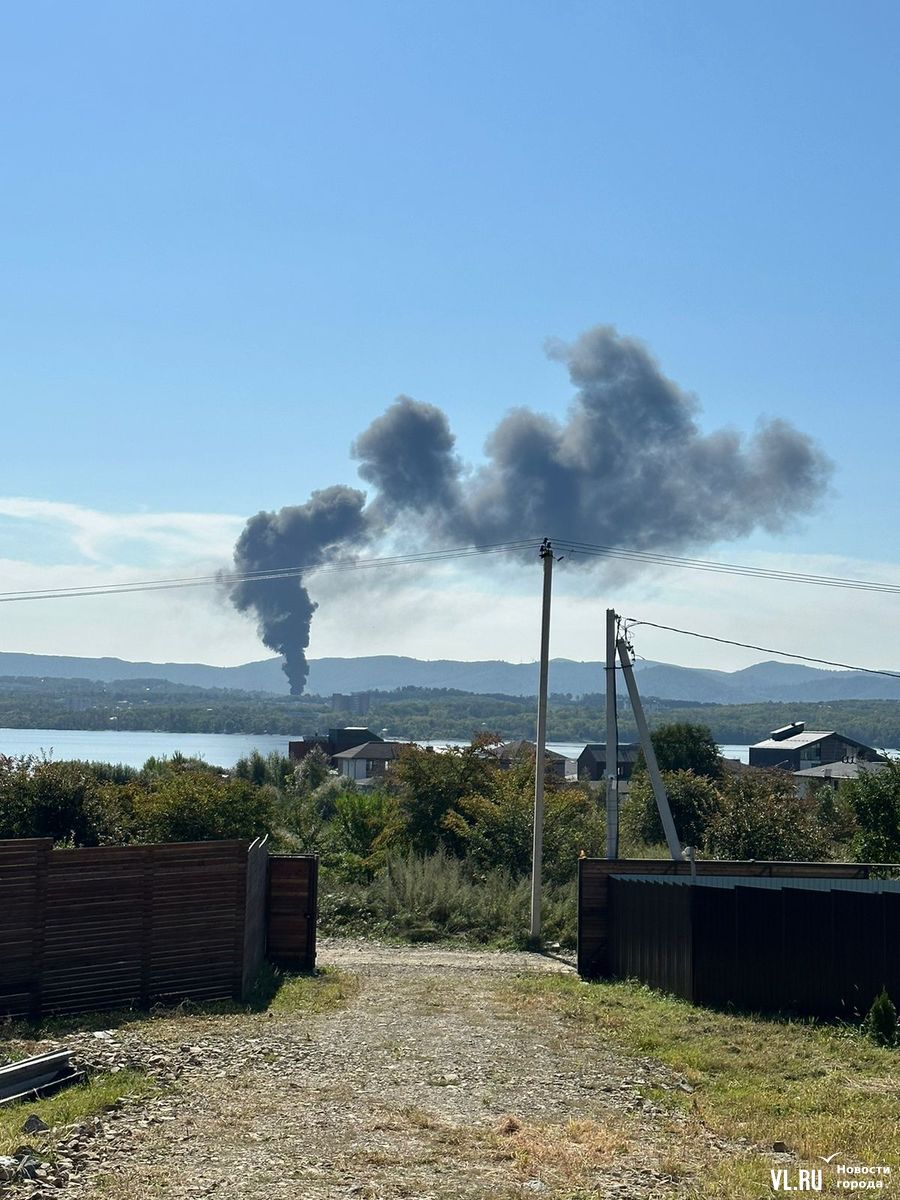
(335, 743)
(796, 748)
(592, 760)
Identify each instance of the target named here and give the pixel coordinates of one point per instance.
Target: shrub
(438, 897)
(881, 1023)
(431, 786)
(361, 816)
(874, 797)
(693, 800)
(496, 826)
(43, 798)
(759, 815)
(185, 807)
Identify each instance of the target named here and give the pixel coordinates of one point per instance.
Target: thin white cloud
(97, 536)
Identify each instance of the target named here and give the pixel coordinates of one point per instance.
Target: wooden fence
(812, 938)
(117, 926)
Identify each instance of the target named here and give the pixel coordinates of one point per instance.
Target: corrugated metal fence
(116, 926)
(812, 938)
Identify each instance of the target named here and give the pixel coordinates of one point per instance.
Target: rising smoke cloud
(302, 535)
(628, 466)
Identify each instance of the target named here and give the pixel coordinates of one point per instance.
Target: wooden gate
(293, 900)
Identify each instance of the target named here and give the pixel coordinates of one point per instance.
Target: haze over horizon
(232, 243)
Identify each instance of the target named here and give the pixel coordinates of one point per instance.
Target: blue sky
(233, 232)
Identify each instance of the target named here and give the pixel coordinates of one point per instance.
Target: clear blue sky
(233, 232)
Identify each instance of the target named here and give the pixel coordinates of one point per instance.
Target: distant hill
(762, 682)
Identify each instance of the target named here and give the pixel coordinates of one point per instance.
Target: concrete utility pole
(546, 553)
(612, 741)
(659, 788)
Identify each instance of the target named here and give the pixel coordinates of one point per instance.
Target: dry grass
(820, 1089)
(568, 1155)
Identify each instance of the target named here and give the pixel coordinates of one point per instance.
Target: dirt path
(429, 1085)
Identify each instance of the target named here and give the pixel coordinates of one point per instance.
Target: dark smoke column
(302, 535)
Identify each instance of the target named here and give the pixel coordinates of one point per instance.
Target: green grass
(309, 995)
(819, 1088)
(70, 1106)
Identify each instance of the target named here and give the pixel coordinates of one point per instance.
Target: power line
(652, 558)
(232, 578)
(708, 637)
(517, 546)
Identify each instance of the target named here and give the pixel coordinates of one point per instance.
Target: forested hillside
(417, 713)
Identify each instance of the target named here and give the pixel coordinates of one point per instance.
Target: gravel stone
(426, 1086)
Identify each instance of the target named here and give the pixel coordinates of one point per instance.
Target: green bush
(881, 1022)
(361, 816)
(497, 827)
(874, 797)
(431, 786)
(759, 815)
(40, 798)
(693, 800)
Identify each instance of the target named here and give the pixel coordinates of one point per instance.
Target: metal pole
(612, 741)
(659, 788)
(541, 746)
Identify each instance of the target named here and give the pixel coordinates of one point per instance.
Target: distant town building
(368, 761)
(336, 742)
(509, 753)
(592, 760)
(796, 748)
(833, 774)
(357, 703)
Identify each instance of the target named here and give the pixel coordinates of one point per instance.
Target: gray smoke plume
(304, 535)
(629, 466)
(407, 454)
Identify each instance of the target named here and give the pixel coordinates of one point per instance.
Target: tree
(875, 799)
(431, 786)
(759, 815)
(684, 746)
(692, 798)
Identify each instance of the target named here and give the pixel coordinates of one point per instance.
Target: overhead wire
(232, 578)
(724, 568)
(632, 623)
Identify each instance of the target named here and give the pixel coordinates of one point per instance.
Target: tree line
(420, 714)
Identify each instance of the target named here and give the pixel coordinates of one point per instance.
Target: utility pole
(612, 741)
(546, 553)
(659, 788)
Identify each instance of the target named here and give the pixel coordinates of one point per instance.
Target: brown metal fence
(293, 901)
(116, 926)
(812, 938)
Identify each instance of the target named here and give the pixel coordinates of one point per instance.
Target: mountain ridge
(760, 682)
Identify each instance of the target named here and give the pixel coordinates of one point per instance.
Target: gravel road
(429, 1085)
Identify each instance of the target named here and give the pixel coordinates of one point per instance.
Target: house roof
(799, 740)
(511, 750)
(373, 751)
(840, 770)
(628, 751)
